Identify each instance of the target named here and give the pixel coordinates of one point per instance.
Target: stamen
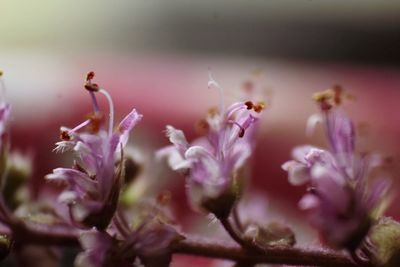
(94, 101)
(260, 106)
(92, 87)
(330, 98)
(111, 111)
(249, 105)
(212, 82)
(64, 135)
(241, 129)
(90, 76)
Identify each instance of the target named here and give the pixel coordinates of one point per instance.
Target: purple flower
(93, 182)
(149, 242)
(211, 163)
(341, 200)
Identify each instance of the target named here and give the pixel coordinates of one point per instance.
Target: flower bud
(385, 239)
(272, 234)
(5, 245)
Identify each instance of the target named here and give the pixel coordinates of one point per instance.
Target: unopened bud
(385, 238)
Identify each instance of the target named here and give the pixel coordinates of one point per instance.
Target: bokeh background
(155, 56)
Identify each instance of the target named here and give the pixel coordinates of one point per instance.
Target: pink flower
(93, 182)
(341, 200)
(211, 163)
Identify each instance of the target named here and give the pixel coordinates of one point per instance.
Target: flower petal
(127, 124)
(177, 137)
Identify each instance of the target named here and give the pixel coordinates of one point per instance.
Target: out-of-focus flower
(341, 200)
(94, 182)
(212, 163)
(148, 238)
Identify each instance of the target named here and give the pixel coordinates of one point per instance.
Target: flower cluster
(211, 163)
(93, 183)
(341, 200)
(93, 188)
(344, 201)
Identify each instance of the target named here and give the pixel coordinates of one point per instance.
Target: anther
(260, 106)
(241, 129)
(90, 76)
(249, 105)
(241, 132)
(64, 135)
(93, 87)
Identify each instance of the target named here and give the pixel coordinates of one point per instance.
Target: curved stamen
(111, 111)
(66, 134)
(233, 109)
(92, 87)
(80, 126)
(212, 82)
(94, 101)
(242, 130)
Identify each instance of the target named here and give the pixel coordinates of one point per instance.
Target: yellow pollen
(88, 82)
(259, 106)
(323, 96)
(91, 87)
(249, 104)
(331, 98)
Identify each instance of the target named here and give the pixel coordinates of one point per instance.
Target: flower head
(341, 200)
(93, 182)
(211, 163)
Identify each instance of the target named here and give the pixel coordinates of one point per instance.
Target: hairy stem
(273, 255)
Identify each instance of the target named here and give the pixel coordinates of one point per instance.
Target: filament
(111, 111)
(212, 82)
